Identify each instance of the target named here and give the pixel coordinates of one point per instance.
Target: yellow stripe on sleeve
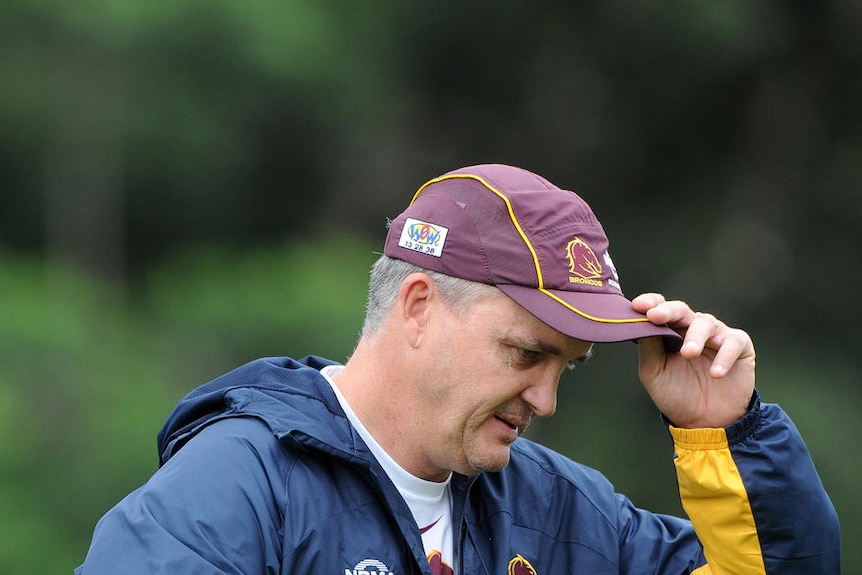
(714, 497)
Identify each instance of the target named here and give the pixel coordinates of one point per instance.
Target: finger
(647, 301)
(676, 314)
(701, 329)
(732, 346)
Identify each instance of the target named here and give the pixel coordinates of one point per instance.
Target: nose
(541, 395)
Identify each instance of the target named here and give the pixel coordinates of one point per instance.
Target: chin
(489, 463)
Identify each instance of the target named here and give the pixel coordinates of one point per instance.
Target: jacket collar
(290, 396)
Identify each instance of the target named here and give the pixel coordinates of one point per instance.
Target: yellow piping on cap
(590, 317)
(508, 207)
(517, 225)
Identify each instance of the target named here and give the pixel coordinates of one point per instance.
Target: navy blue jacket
(261, 473)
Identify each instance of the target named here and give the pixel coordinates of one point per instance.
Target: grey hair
(385, 282)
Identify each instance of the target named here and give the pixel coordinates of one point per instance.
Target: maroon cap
(541, 245)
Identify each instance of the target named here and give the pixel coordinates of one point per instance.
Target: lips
(509, 422)
(518, 422)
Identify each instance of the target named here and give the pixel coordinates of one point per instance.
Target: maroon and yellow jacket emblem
(520, 566)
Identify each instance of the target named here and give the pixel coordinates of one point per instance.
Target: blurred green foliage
(188, 185)
(88, 375)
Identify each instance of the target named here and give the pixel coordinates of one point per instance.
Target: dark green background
(188, 185)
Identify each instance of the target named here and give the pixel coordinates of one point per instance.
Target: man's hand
(709, 383)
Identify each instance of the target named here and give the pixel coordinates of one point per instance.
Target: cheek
(480, 406)
(469, 384)
(463, 411)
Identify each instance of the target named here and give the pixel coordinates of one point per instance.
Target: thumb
(652, 356)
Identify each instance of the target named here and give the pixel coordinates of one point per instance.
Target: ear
(416, 299)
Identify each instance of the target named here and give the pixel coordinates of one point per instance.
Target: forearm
(754, 497)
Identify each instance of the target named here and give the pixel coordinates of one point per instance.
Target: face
(492, 369)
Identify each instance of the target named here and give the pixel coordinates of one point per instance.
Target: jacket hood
(290, 396)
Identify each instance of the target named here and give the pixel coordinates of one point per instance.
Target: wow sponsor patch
(423, 237)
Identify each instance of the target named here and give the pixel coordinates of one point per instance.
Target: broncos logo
(520, 566)
(438, 566)
(582, 260)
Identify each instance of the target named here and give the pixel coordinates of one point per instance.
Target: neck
(370, 383)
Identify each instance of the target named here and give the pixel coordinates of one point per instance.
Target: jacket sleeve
(755, 499)
(212, 508)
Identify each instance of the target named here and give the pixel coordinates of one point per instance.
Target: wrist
(736, 429)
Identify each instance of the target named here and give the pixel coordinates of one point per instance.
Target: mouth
(513, 418)
(513, 425)
(509, 422)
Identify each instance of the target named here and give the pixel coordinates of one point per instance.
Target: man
(408, 459)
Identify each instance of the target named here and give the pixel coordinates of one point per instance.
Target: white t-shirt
(429, 501)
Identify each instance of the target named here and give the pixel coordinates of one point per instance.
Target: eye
(525, 357)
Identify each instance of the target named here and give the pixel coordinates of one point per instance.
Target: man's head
(492, 281)
(460, 370)
(541, 245)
